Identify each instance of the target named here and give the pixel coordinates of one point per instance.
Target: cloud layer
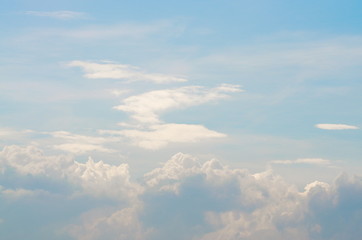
(184, 199)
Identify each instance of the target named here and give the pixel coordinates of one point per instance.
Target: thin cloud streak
(122, 71)
(330, 126)
(311, 161)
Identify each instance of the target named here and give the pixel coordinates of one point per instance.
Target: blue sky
(180, 119)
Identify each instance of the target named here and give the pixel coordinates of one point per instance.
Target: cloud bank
(183, 199)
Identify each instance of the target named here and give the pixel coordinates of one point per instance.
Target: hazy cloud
(63, 15)
(80, 144)
(160, 135)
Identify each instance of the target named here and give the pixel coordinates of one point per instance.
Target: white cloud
(95, 178)
(160, 135)
(150, 132)
(80, 144)
(31, 160)
(122, 71)
(64, 15)
(312, 161)
(329, 126)
(80, 149)
(101, 179)
(146, 107)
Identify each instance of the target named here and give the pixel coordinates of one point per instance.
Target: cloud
(185, 198)
(8, 133)
(94, 178)
(77, 148)
(312, 161)
(80, 144)
(160, 135)
(146, 107)
(328, 126)
(123, 224)
(212, 201)
(134, 31)
(150, 132)
(121, 71)
(63, 15)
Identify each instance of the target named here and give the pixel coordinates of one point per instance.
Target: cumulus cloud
(186, 198)
(122, 71)
(235, 204)
(146, 107)
(94, 178)
(329, 126)
(63, 15)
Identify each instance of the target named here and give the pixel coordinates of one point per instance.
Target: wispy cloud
(122, 71)
(148, 130)
(122, 32)
(146, 107)
(159, 136)
(8, 133)
(311, 161)
(330, 126)
(321, 57)
(63, 15)
(80, 144)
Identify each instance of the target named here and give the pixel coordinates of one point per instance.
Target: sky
(184, 120)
